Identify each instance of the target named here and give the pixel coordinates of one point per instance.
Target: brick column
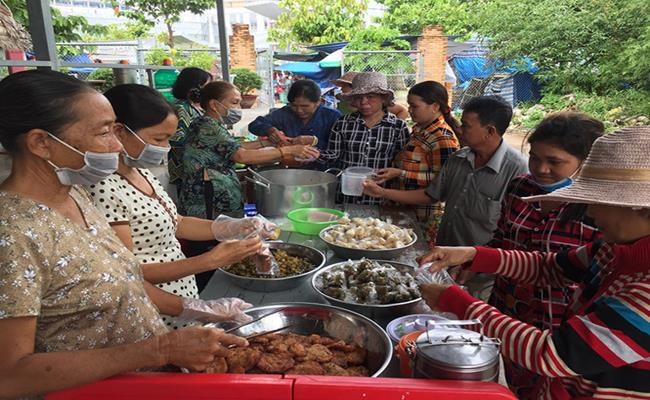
(242, 48)
(433, 47)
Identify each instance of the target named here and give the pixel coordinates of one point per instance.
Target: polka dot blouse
(153, 226)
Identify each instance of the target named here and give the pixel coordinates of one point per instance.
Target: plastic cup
(353, 178)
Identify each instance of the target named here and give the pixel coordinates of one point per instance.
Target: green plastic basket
(298, 218)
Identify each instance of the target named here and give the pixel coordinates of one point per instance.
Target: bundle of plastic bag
(228, 228)
(423, 276)
(224, 309)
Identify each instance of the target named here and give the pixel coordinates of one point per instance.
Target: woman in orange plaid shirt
(432, 141)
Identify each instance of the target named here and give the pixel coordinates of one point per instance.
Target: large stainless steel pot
(335, 322)
(278, 191)
(450, 352)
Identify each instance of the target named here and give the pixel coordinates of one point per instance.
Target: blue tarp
(313, 71)
(80, 59)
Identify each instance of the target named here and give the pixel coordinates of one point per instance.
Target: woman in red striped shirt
(558, 146)
(602, 348)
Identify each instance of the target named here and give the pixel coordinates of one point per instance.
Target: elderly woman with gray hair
(370, 137)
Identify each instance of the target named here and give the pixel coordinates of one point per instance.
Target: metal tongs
(258, 334)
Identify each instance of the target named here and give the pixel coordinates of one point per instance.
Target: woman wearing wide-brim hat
(345, 83)
(370, 136)
(602, 348)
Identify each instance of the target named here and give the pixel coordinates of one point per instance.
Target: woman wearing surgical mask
(141, 212)
(74, 306)
(209, 183)
(558, 147)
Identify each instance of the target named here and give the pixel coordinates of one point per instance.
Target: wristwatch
(402, 174)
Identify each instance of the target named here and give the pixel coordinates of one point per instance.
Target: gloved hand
(223, 309)
(228, 228)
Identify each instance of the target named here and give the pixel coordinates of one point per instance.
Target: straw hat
(370, 83)
(345, 79)
(616, 172)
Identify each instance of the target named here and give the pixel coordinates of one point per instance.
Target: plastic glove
(224, 309)
(228, 228)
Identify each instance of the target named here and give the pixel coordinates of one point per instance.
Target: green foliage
(379, 38)
(615, 108)
(246, 80)
(103, 74)
(411, 16)
(312, 22)
(130, 30)
(592, 46)
(200, 59)
(168, 11)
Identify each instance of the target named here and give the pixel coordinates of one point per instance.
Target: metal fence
(403, 68)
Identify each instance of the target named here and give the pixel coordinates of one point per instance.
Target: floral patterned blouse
(83, 286)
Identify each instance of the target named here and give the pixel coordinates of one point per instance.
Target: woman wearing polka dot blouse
(141, 212)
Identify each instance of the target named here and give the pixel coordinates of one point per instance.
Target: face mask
(151, 156)
(557, 185)
(233, 115)
(97, 166)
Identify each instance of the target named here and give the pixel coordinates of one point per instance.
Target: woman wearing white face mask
(558, 147)
(209, 182)
(141, 212)
(74, 307)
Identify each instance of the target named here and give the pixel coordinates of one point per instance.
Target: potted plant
(246, 81)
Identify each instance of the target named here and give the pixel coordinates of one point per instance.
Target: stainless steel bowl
(322, 319)
(381, 312)
(356, 254)
(278, 284)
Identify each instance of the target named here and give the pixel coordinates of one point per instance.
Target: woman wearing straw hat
(371, 136)
(602, 348)
(345, 83)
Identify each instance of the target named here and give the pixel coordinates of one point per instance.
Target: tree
(128, 31)
(411, 16)
(312, 22)
(595, 45)
(169, 11)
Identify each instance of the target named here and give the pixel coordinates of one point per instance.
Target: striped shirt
(422, 159)
(523, 226)
(603, 349)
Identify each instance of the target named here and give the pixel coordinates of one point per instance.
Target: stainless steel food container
(447, 351)
(322, 319)
(382, 312)
(278, 191)
(355, 254)
(278, 284)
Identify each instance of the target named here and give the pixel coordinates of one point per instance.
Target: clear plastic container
(353, 178)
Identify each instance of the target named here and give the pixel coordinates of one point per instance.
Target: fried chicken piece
(277, 346)
(242, 358)
(265, 339)
(298, 350)
(359, 370)
(327, 341)
(339, 358)
(342, 346)
(307, 368)
(357, 357)
(314, 339)
(334, 370)
(272, 363)
(319, 353)
(218, 366)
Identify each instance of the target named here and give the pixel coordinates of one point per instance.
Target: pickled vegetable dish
(289, 266)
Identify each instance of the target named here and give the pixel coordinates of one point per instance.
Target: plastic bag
(423, 276)
(228, 228)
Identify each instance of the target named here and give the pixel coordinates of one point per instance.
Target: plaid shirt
(523, 226)
(422, 159)
(353, 144)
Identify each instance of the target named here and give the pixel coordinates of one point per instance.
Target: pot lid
(410, 323)
(457, 348)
